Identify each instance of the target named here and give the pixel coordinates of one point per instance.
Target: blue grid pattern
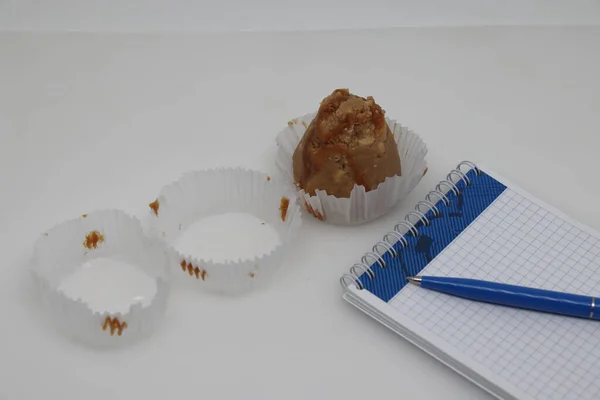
(444, 228)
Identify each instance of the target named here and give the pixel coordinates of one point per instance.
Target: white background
(89, 121)
(233, 15)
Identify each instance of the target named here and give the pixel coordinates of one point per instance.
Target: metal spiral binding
(385, 245)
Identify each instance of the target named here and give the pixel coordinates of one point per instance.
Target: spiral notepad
(477, 225)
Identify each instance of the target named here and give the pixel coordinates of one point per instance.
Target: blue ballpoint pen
(572, 305)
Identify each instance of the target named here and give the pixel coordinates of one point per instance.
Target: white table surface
(286, 15)
(95, 121)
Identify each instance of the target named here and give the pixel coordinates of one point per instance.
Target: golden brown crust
(348, 142)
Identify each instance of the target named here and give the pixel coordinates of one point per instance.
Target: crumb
(268, 178)
(426, 169)
(115, 325)
(262, 223)
(154, 206)
(46, 234)
(83, 215)
(304, 124)
(316, 214)
(92, 240)
(293, 122)
(179, 226)
(193, 271)
(283, 207)
(164, 234)
(251, 274)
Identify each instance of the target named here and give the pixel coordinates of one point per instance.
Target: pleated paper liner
(110, 237)
(361, 206)
(201, 194)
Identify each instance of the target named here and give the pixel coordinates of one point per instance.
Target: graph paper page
(517, 241)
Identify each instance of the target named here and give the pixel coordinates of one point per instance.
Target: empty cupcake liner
(200, 194)
(108, 234)
(361, 206)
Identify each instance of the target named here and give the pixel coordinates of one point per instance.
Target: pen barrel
(516, 296)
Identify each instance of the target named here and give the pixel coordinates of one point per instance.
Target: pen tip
(414, 279)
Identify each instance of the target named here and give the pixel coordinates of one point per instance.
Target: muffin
(348, 161)
(347, 143)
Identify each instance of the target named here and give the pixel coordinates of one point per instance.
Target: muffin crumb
(93, 239)
(115, 325)
(154, 206)
(317, 214)
(283, 207)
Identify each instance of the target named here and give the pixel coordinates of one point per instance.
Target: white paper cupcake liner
(200, 194)
(361, 206)
(112, 235)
